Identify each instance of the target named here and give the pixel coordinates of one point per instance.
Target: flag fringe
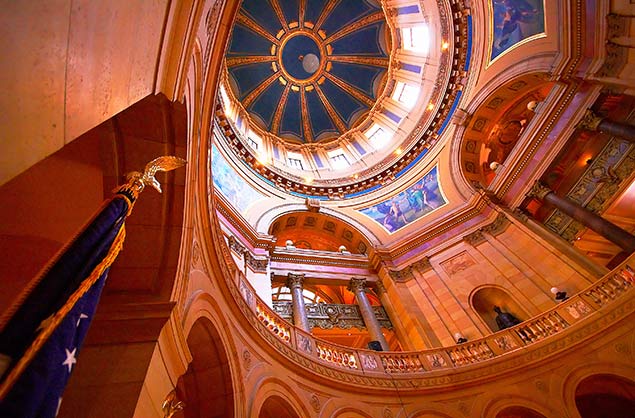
(43, 336)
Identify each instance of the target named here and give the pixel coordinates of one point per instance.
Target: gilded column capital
(357, 284)
(474, 238)
(539, 190)
(295, 280)
(590, 121)
(498, 226)
(171, 405)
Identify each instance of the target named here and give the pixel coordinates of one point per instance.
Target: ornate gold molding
(539, 190)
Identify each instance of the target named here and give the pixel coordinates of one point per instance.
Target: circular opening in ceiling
(301, 57)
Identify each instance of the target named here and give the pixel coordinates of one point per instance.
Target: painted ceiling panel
(300, 58)
(346, 13)
(262, 12)
(267, 103)
(314, 9)
(344, 104)
(290, 9)
(246, 42)
(250, 76)
(320, 120)
(292, 116)
(359, 76)
(362, 42)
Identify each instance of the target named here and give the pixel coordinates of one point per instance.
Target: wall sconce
(560, 295)
(460, 339)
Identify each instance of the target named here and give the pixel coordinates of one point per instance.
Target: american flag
(44, 335)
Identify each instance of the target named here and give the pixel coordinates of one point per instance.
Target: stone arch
(492, 125)
(602, 395)
(620, 369)
(483, 299)
(277, 407)
(269, 217)
(207, 388)
(510, 405)
(272, 387)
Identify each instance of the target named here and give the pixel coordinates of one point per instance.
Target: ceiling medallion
(301, 56)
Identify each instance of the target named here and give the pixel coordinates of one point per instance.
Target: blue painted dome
(308, 71)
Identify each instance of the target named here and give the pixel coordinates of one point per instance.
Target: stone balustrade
(562, 317)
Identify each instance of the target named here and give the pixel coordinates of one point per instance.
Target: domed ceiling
(308, 71)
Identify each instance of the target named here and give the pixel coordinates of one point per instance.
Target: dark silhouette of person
(505, 319)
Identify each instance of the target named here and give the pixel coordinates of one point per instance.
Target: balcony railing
(296, 344)
(333, 315)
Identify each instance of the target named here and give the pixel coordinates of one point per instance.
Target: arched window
(283, 294)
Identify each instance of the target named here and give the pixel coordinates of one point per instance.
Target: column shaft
(618, 129)
(300, 319)
(366, 310)
(608, 230)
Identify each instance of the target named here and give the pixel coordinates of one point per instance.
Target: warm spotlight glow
(398, 151)
(430, 106)
(445, 45)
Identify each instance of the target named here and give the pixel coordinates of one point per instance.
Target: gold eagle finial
(165, 163)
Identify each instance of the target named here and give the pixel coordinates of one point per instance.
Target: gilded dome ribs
(369, 102)
(250, 24)
(277, 116)
(238, 61)
(302, 12)
(328, 8)
(253, 95)
(275, 5)
(365, 21)
(351, 59)
(339, 123)
(306, 124)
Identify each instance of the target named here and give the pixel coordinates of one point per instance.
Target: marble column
(358, 287)
(608, 230)
(300, 319)
(592, 122)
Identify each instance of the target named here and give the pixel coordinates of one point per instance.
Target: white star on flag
(81, 316)
(70, 359)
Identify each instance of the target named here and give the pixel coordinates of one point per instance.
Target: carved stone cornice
(258, 265)
(497, 227)
(475, 238)
(539, 190)
(357, 284)
(236, 246)
(295, 280)
(590, 121)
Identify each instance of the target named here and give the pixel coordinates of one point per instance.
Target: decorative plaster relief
(458, 263)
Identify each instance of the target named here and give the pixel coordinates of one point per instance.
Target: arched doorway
(519, 412)
(276, 407)
(605, 395)
(206, 387)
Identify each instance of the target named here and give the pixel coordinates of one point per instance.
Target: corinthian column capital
(295, 280)
(590, 121)
(539, 190)
(357, 284)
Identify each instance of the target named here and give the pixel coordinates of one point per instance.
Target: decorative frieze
(235, 245)
(258, 265)
(332, 315)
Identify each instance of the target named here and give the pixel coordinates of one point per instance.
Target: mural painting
(419, 199)
(515, 21)
(238, 192)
